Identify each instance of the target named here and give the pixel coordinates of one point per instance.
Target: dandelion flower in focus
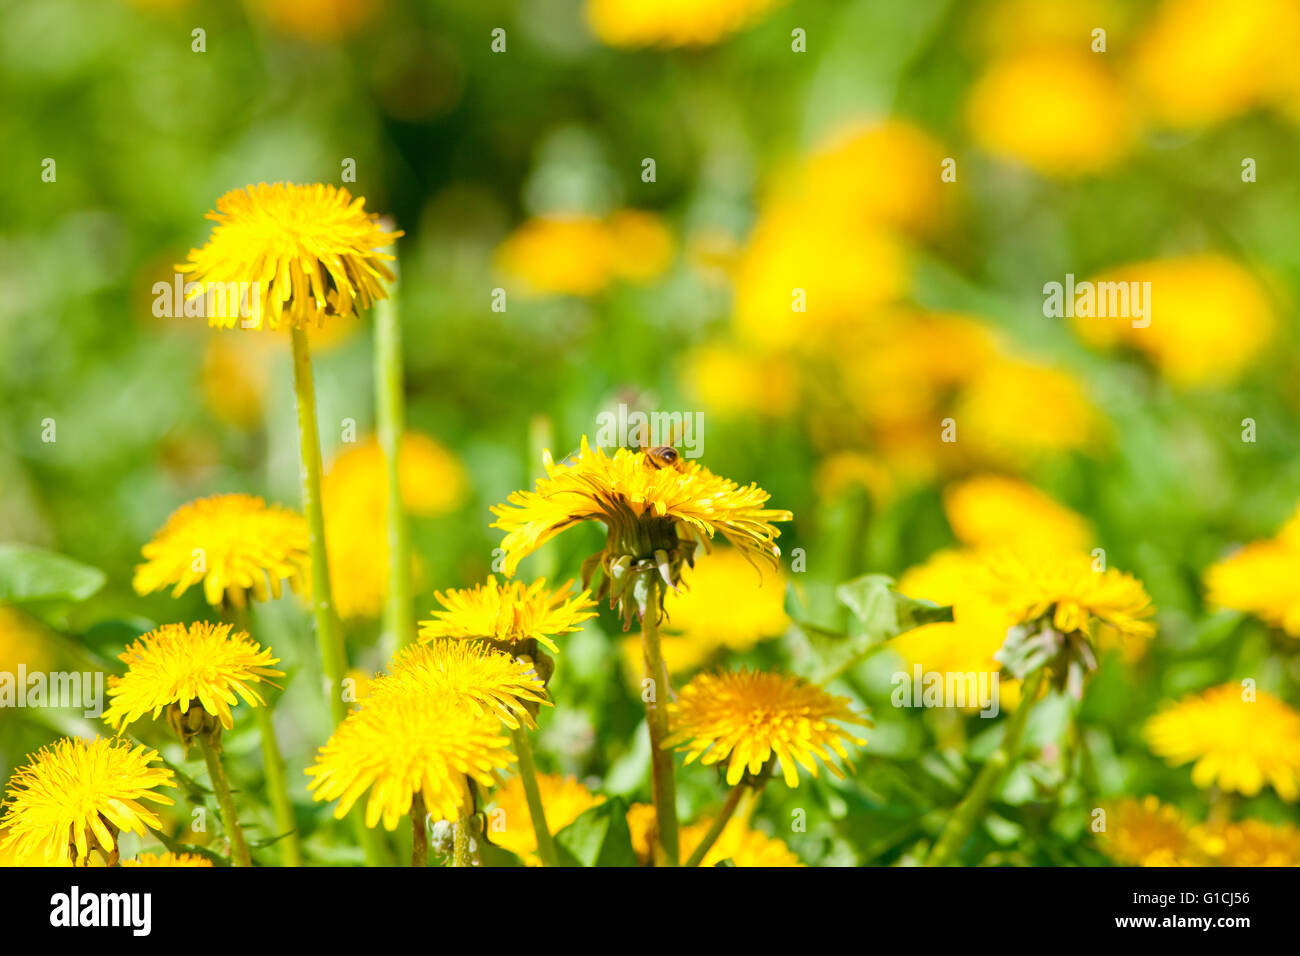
(1262, 578)
(234, 544)
(750, 718)
(1238, 745)
(1027, 107)
(671, 23)
(313, 250)
(178, 665)
(1147, 833)
(509, 614)
(68, 804)
(564, 798)
(168, 859)
(654, 517)
(468, 673)
(398, 746)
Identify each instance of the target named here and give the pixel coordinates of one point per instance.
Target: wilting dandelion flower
(465, 673)
(168, 859)
(68, 804)
(748, 718)
(1262, 578)
(564, 798)
(400, 745)
(178, 665)
(313, 250)
(1147, 833)
(655, 517)
(1238, 744)
(234, 544)
(509, 615)
(671, 23)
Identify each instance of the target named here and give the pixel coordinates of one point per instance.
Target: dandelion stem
(399, 613)
(221, 787)
(462, 854)
(719, 824)
(661, 760)
(528, 777)
(278, 790)
(968, 812)
(328, 632)
(419, 832)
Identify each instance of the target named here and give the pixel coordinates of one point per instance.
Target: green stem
(719, 824)
(969, 811)
(221, 787)
(462, 855)
(661, 759)
(419, 832)
(328, 632)
(278, 789)
(536, 812)
(399, 612)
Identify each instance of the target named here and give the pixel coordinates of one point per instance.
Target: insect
(663, 456)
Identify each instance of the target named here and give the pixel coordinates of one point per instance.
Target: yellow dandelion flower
(234, 544)
(1025, 108)
(1187, 338)
(748, 718)
(401, 745)
(738, 842)
(581, 255)
(75, 796)
(654, 516)
(179, 664)
(671, 23)
(312, 250)
(731, 383)
(466, 673)
(1262, 578)
(1010, 25)
(319, 21)
(1200, 62)
(1249, 843)
(1238, 744)
(641, 247)
(727, 602)
(234, 379)
(169, 859)
(837, 474)
(1014, 412)
(1071, 593)
(510, 825)
(509, 614)
(681, 656)
(354, 498)
(23, 640)
(1147, 833)
(992, 510)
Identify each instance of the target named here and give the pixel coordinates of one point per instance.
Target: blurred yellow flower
(1210, 318)
(1058, 110)
(23, 640)
(510, 825)
(1008, 25)
(1202, 61)
(731, 382)
(671, 23)
(846, 470)
(74, 796)
(320, 21)
(728, 602)
(235, 545)
(1249, 843)
(995, 511)
(738, 842)
(1239, 744)
(581, 255)
(750, 718)
(1147, 833)
(405, 744)
(354, 497)
(1262, 578)
(313, 250)
(234, 379)
(179, 664)
(1015, 412)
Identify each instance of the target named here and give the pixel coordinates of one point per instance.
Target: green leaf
(29, 575)
(599, 837)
